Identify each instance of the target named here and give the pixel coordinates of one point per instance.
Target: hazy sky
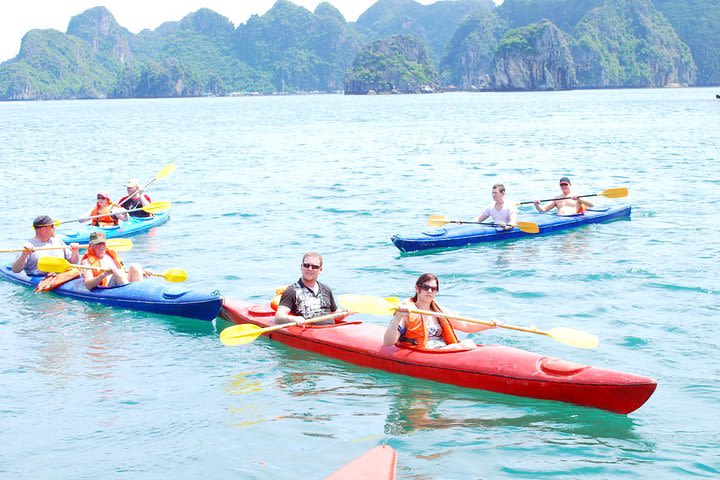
(18, 17)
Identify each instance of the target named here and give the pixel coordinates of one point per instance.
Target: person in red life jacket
(566, 203)
(430, 332)
(135, 199)
(98, 255)
(111, 214)
(44, 237)
(307, 298)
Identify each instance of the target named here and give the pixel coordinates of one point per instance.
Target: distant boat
(717, 96)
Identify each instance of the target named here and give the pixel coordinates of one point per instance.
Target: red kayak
(375, 464)
(488, 367)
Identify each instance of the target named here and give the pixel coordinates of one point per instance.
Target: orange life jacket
(416, 334)
(95, 262)
(54, 280)
(103, 221)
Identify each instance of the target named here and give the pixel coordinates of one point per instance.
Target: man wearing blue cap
(566, 203)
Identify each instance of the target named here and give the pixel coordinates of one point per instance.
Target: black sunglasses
(429, 288)
(310, 265)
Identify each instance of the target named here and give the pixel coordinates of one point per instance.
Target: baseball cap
(565, 180)
(104, 195)
(42, 221)
(97, 237)
(133, 182)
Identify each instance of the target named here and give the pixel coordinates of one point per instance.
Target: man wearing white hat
(135, 199)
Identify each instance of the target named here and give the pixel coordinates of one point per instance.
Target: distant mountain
(467, 44)
(396, 64)
(434, 24)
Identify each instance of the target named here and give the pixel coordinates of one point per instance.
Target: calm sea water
(88, 391)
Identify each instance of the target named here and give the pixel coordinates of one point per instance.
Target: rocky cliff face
(536, 57)
(396, 64)
(470, 56)
(98, 28)
(627, 43)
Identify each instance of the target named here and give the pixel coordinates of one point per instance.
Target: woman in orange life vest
(427, 331)
(98, 255)
(105, 206)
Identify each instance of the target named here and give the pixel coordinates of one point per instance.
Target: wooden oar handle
(479, 322)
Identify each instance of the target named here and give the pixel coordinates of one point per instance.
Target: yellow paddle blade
(165, 171)
(240, 334)
(174, 275)
(615, 192)
(367, 304)
(53, 264)
(437, 220)
(156, 207)
(575, 338)
(528, 227)
(119, 244)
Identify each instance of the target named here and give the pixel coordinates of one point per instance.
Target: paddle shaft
(39, 248)
(561, 198)
(106, 214)
(293, 324)
(98, 216)
(165, 171)
(479, 322)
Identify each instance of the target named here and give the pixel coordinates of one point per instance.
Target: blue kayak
(151, 295)
(134, 225)
(460, 235)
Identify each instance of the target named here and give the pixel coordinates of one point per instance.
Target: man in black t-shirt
(135, 199)
(307, 298)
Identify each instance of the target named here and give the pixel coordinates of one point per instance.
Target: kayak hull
(135, 225)
(151, 295)
(376, 464)
(489, 367)
(460, 235)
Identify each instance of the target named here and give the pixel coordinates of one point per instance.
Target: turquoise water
(87, 391)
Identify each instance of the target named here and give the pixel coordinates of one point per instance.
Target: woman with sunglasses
(566, 203)
(411, 329)
(111, 214)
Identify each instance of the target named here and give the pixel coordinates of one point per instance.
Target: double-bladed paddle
(117, 244)
(162, 173)
(618, 192)
(440, 220)
(59, 265)
(153, 207)
(387, 306)
(247, 332)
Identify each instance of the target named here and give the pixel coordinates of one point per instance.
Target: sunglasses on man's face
(564, 184)
(311, 266)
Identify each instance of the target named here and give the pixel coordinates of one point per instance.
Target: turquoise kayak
(460, 235)
(151, 295)
(134, 225)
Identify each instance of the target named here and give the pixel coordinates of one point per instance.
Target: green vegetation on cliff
(613, 43)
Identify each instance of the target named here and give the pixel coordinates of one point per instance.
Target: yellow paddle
(162, 173)
(618, 192)
(386, 306)
(247, 332)
(153, 207)
(58, 265)
(117, 244)
(440, 220)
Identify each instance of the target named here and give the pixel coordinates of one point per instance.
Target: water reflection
(415, 407)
